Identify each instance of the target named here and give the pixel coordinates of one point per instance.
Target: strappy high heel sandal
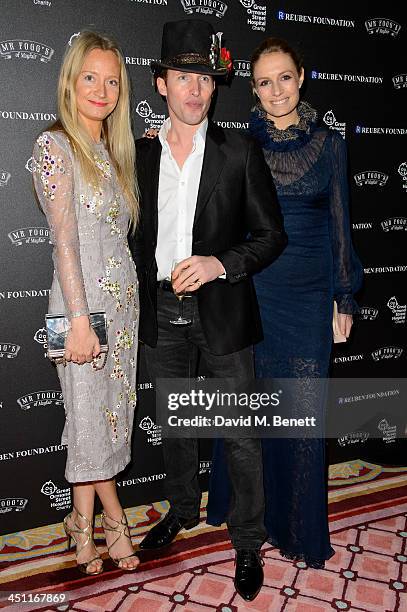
(120, 528)
(87, 531)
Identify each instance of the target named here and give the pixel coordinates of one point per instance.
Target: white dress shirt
(177, 196)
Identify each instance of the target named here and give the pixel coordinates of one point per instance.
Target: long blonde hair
(116, 128)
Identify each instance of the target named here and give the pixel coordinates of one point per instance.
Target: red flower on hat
(225, 60)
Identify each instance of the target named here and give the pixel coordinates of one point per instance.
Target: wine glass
(181, 320)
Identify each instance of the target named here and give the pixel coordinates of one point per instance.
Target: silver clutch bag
(57, 326)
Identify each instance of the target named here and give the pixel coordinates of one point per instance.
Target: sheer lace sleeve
(53, 180)
(348, 270)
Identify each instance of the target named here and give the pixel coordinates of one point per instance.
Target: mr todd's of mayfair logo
(398, 310)
(331, 121)
(29, 235)
(9, 350)
(402, 170)
(241, 68)
(25, 49)
(205, 7)
(4, 178)
(400, 81)
(8, 504)
(152, 430)
(368, 313)
(371, 177)
(40, 398)
(387, 352)
(381, 25)
(355, 437)
(394, 224)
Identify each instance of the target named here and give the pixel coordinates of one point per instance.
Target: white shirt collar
(199, 135)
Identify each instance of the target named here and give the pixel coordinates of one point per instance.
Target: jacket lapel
(152, 177)
(212, 166)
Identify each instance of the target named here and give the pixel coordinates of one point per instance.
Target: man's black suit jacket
(237, 219)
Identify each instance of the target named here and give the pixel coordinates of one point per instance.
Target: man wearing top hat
(207, 201)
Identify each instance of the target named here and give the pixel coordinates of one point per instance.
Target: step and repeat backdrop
(356, 76)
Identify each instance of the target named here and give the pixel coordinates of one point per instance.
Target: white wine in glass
(181, 320)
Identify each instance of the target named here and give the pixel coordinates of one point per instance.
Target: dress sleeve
(348, 271)
(53, 181)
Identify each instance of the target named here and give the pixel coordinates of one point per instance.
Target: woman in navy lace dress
(296, 296)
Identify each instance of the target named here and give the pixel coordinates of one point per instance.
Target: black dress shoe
(166, 530)
(249, 573)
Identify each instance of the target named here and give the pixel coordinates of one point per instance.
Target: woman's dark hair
(271, 45)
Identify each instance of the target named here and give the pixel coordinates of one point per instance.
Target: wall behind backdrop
(356, 76)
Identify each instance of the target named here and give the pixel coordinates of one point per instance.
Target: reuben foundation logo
(398, 310)
(387, 352)
(152, 430)
(348, 358)
(25, 49)
(389, 431)
(24, 293)
(348, 78)
(362, 226)
(241, 68)
(142, 480)
(60, 499)
(385, 269)
(371, 177)
(256, 15)
(7, 504)
(234, 125)
(381, 25)
(29, 235)
(394, 224)
(205, 7)
(9, 350)
(152, 120)
(27, 116)
(32, 452)
(40, 398)
(368, 313)
(399, 81)
(138, 61)
(4, 178)
(389, 131)
(402, 170)
(314, 19)
(330, 120)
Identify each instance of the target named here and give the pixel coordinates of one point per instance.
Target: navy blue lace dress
(296, 295)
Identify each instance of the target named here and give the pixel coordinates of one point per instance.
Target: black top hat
(191, 45)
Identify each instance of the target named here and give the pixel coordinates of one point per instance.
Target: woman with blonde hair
(84, 179)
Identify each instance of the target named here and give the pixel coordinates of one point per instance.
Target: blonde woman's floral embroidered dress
(94, 271)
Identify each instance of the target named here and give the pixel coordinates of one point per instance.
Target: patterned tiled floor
(368, 573)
